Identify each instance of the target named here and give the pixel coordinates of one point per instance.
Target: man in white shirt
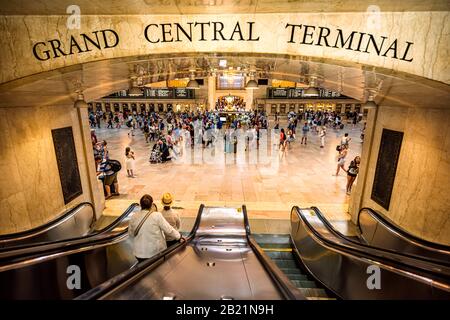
(146, 229)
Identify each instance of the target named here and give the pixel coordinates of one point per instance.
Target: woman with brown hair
(352, 172)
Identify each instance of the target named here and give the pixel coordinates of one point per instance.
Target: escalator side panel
(383, 234)
(74, 223)
(347, 274)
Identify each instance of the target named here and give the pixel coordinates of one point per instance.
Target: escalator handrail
(362, 254)
(43, 248)
(140, 269)
(337, 233)
(48, 225)
(402, 232)
(288, 290)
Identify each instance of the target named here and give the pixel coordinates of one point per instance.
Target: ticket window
(116, 107)
(152, 107)
(107, 107)
(169, 107)
(160, 107)
(90, 108)
(142, 107)
(133, 107)
(125, 107)
(260, 107)
(292, 108)
(358, 108)
(282, 109)
(98, 106)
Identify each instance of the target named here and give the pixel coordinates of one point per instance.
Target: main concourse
(224, 150)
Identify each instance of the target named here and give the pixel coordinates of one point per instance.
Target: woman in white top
(148, 230)
(129, 162)
(341, 158)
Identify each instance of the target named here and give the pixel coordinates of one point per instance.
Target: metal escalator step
(313, 293)
(279, 255)
(304, 284)
(285, 263)
(289, 271)
(271, 245)
(297, 276)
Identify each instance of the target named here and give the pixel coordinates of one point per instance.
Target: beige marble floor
(302, 176)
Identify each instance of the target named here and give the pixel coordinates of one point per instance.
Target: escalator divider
(283, 283)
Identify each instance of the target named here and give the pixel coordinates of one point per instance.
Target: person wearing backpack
(148, 230)
(108, 173)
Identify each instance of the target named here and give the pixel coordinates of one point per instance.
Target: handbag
(136, 232)
(153, 209)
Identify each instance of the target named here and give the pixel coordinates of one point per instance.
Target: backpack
(338, 148)
(115, 165)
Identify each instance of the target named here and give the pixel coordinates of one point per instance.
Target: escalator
(219, 260)
(378, 231)
(41, 270)
(75, 222)
(279, 249)
(345, 267)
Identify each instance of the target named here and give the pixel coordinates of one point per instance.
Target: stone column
(360, 186)
(248, 99)
(211, 92)
(95, 185)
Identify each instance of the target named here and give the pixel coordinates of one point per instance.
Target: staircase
(279, 249)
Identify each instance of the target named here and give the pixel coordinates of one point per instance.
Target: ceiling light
(311, 92)
(134, 90)
(223, 63)
(251, 84)
(192, 84)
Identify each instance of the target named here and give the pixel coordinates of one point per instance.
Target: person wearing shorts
(104, 170)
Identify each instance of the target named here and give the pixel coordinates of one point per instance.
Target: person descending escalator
(148, 229)
(171, 216)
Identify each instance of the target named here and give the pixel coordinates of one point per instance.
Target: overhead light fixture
(80, 102)
(252, 84)
(134, 91)
(312, 91)
(192, 84)
(223, 63)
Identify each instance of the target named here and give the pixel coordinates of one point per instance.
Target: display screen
(223, 119)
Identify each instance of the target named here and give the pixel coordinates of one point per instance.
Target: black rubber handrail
(140, 269)
(64, 244)
(364, 254)
(288, 290)
(337, 233)
(401, 231)
(47, 225)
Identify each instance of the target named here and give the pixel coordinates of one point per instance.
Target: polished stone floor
(302, 176)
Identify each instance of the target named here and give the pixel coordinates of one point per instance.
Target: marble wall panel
(30, 189)
(419, 202)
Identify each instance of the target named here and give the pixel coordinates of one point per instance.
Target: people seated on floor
(147, 230)
(171, 216)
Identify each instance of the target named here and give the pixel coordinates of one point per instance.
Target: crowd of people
(172, 134)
